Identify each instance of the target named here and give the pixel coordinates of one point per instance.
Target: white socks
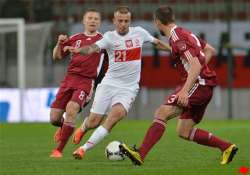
(95, 138)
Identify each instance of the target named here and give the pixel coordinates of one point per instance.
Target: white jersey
(124, 56)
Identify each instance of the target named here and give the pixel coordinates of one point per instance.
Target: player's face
(92, 21)
(122, 22)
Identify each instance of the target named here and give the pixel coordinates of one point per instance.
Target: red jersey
(185, 45)
(86, 66)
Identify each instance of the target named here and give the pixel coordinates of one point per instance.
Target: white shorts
(106, 96)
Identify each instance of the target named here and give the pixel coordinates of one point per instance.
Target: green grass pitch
(25, 149)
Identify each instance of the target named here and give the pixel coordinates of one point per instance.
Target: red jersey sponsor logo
(129, 43)
(128, 55)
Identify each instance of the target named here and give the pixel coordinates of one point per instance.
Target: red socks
(153, 135)
(205, 138)
(67, 130)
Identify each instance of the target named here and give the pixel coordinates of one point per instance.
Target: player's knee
(72, 109)
(162, 113)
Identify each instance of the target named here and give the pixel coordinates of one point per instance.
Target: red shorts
(199, 97)
(73, 88)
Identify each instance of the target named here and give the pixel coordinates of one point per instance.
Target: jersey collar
(88, 35)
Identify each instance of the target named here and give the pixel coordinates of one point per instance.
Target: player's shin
(67, 130)
(98, 135)
(152, 136)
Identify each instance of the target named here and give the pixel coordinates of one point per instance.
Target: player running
(77, 86)
(118, 89)
(189, 100)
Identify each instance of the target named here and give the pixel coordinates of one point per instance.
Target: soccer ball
(113, 152)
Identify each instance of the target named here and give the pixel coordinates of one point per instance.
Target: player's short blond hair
(122, 9)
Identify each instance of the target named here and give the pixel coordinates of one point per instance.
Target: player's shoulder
(137, 29)
(109, 35)
(180, 34)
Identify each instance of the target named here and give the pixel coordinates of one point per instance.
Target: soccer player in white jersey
(118, 89)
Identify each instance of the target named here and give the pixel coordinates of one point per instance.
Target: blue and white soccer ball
(113, 152)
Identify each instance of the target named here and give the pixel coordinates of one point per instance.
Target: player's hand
(62, 39)
(69, 49)
(182, 98)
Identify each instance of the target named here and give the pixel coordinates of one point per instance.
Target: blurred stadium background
(29, 77)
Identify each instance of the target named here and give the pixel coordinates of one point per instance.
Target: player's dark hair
(165, 14)
(122, 9)
(92, 10)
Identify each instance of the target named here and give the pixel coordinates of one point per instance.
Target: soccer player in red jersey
(77, 86)
(189, 100)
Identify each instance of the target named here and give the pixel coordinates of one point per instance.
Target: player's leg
(193, 115)
(116, 113)
(186, 131)
(100, 106)
(121, 102)
(89, 123)
(56, 119)
(153, 135)
(78, 98)
(72, 109)
(56, 116)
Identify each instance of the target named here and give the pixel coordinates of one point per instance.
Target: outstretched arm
(161, 45)
(86, 50)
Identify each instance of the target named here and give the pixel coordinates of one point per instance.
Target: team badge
(137, 42)
(181, 45)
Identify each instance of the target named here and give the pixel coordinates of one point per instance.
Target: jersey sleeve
(104, 42)
(188, 50)
(147, 37)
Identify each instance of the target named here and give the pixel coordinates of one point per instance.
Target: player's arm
(57, 51)
(209, 51)
(86, 50)
(193, 73)
(161, 45)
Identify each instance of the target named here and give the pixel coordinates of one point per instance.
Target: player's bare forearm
(57, 49)
(209, 51)
(86, 50)
(57, 52)
(194, 71)
(161, 45)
